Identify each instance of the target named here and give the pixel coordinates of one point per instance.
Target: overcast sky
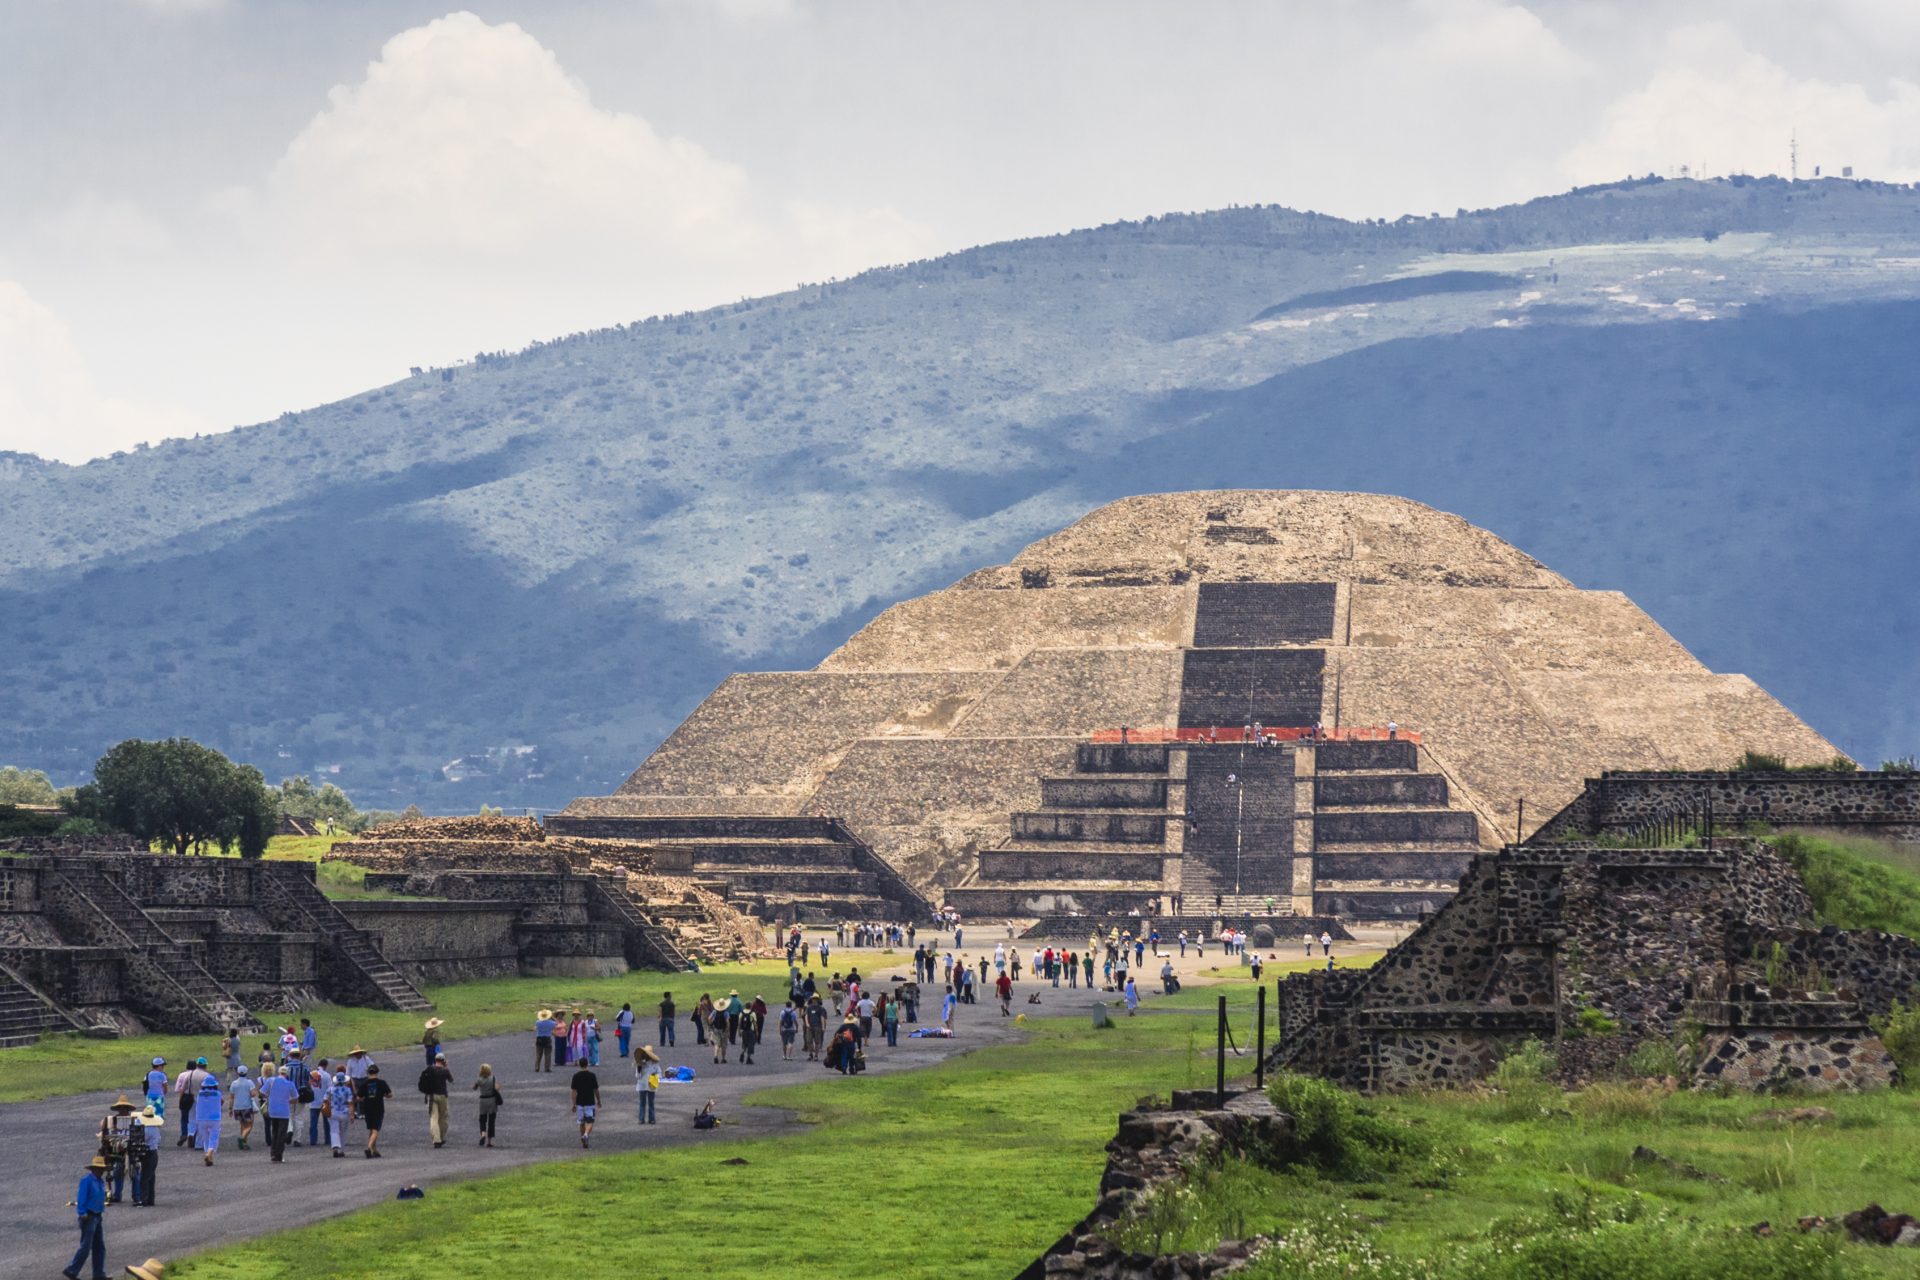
(216, 210)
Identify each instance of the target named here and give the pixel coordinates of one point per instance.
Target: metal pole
(1260, 1042)
(1520, 821)
(1709, 790)
(1220, 1058)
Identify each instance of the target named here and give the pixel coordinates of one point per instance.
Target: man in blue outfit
(90, 1203)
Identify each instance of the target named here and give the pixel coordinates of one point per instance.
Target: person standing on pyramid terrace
(1393, 730)
(585, 1093)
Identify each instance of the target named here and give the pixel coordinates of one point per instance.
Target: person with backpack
(623, 1029)
(430, 1039)
(434, 1082)
(789, 1030)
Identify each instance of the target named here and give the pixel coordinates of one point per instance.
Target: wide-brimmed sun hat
(354, 1050)
(98, 1162)
(646, 1051)
(151, 1269)
(435, 1022)
(121, 1104)
(151, 1118)
(544, 1013)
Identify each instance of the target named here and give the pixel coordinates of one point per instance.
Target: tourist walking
(186, 1086)
(374, 1093)
(339, 1113)
(666, 1018)
(157, 1084)
(309, 1041)
(585, 1092)
(789, 1030)
(357, 1064)
(749, 1034)
(488, 1087)
(242, 1099)
(278, 1095)
(90, 1205)
(231, 1051)
(1326, 944)
(430, 1039)
(116, 1135)
(702, 1017)
(815, 1016)
(1003, 987)
(946, 1010)
(1133, 997)
(143, 1154)
(623, 1029)
(717, 1032)
(434, 1083)
(206, 1115)
(543, 1027)
(890, 1019)
(646, 1084)
(315, 1096)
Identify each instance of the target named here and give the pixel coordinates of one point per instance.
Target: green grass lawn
(1543, 1183)
(966, 1169)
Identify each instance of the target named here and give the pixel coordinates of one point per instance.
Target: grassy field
(1536, 1182)
(966, 1169)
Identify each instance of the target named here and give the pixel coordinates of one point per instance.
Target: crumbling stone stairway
(26, 1013)
(350, 949)
(165, 978)
(648, 945)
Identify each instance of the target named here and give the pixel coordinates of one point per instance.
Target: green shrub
(1900, 1032)
(1904, 764)
(1752, 761)
(1525, 1081)
(1657, 1059)
(1590, 1022)
(1335, 1132)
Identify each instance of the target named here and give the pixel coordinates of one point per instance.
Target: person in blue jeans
(666, 1018)
(623, 1028)
(646, 1066)
(90, 1205)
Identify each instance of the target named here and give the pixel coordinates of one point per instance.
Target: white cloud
(48, 401)
(1461, 36)
(1715, 103)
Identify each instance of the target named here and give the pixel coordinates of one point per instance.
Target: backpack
(306, 1087)
(426, 1079)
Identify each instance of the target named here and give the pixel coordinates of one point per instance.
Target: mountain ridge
(754, 481)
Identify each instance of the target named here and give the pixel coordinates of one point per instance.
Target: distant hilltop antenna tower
(1793, 156)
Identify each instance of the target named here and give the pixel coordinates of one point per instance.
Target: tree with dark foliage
(183, 794)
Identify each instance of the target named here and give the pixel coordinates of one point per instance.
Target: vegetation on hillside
(1856, 882)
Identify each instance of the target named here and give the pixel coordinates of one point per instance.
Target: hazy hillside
(1703, 394)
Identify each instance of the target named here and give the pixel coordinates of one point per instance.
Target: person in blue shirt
(309, 1040)
(339, 1112)
(278, 1094)
(543, 1041)
(244, 1096)
(157, 1085)
(206, 1116)
(90, 1204)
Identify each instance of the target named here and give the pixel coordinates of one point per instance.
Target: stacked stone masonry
(1654, 939)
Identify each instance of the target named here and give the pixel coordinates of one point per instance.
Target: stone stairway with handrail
(343, 940)
(104, 912)
(649, 945)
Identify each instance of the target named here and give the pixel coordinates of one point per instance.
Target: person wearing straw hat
(430, 1039)
(151, 1269)
(90, 1207)
(646, 1069)
(143, 1154)
(543, 1026)
(116, 1135)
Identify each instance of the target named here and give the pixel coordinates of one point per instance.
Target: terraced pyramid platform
(970, 738)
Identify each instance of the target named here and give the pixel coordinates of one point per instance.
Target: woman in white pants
(339, 1112)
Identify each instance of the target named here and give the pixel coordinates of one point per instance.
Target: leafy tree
(183, 794)
(299, 798)
(26, 786)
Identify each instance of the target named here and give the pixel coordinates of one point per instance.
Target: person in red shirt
(1004, 985)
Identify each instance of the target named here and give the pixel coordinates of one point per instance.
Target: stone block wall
(439, 942)
(1539, 934)
(1876, 969)
(1886, 804)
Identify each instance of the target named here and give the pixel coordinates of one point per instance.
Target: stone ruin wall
(1655, 939)
(1880, 804)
